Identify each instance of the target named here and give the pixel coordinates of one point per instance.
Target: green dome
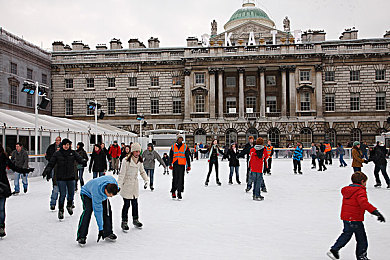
(249, 13)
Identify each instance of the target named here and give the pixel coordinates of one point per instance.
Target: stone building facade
(21, 61)
(251, 79)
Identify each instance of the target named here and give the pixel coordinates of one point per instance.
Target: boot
(264, 189)
(238, 181)
(230, 181)
(136, 223)
(2, 230)
(124, 226)
(61, 214)
(112, 237)
(69, 208)
(52, 207)
(378, 185)
(219, 183)
(206, 183)
(151, 188)
(333, 254)
(82, 241)
(179, 197)
(174, 195)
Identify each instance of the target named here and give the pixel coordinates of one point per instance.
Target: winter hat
(356, 143)
(80, 144)
(135, 147)
(115, 142)
(66, 141)
(179, 136)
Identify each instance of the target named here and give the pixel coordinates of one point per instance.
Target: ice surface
(299, 219)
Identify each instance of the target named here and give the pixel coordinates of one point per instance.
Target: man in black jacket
(378, 156)
(65, 160)
(49, 153)
(246, 151)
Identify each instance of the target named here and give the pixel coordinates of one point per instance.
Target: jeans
(81, 173)
(365, 155)
(341, 159)
(313, 160)
(257, 183)
(232, 169)
(150, 173)
(350, 228)
(384, 173)
(54, 196)
(66, 189)
(16, 181)
(126, 206)
(357, 169)
(95, 174)
(211, 163)
(2, 211)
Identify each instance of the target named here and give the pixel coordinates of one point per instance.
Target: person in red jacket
(258, 156)
(355, 203)
(115, 153)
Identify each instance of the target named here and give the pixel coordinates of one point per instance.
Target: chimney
(319, 36)
(154, 43)
(115, 44)
(58, 46)
(101, 46)
(67, 48)
(349, 34)
(135, 44)
(86, 47)
(77, 45)
(192, 42)
(387, 34)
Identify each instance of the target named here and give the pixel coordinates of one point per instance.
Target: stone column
(241, 103)
(284, 90)
(262, 91)
(187, 95)
(212, 93)
(220, 93)
(293, 91)
(318, 69)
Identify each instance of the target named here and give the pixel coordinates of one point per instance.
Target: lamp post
(96, 127)
(36, 119)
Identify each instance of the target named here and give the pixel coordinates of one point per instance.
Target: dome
(249, 12)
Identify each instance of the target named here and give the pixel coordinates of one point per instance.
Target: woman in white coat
(128, 184)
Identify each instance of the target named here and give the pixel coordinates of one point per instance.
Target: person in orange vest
(328, 153)
(179, 158)
(196, 151)
(267, 163)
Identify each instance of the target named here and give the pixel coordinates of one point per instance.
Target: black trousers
(313, 160)
(85, 218)
(126, 206)
(328, 158)
(178, 178)
(211, 163)
(381, 168)
(297, 164)
(269, 164)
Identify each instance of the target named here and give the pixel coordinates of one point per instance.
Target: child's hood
(350, 190)
(259, 147)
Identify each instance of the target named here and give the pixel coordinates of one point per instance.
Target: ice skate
(174, 195)
(206, 183)
(218, 183)
(151, 188)
(111, 238)
(137, 224)
(61, 214)
(125, 226)
(333, 254)
(52, 207)
(179, 197)
(378, 185)
(70, 210)
(82, 242)
(2, 231)
(264, 189)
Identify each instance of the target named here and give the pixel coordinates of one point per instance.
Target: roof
(249, 13)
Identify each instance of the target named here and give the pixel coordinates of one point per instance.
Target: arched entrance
(200, 136)
(231, 136)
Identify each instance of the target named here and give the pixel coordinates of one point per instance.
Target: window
(111, 82)
(356, 135)
(306, 137)
(154, 81)
(13, 97)
(132, 81)
(355, 101)
(354, 75)
(132, 106)
(176, 81)
(199, 103)
(380, 101)
(251, 81)
(68, 83)
(14, 68)
(271, 104)
(154, 106)
(329, 76)
(29, 100)
(90, 111)
(330, 102)
(29, 74)
(270, 80)
(252, 132)
(251, 103)
(274, 136)
(231, 82)
(330, 136)
(380, 74)
(199, 78)
(69, 107)
(231, 136)
(111, 106)
(90, 83)
(231, 105)
(177, 105)
(44, 79)
(305, 101)
(304, 75)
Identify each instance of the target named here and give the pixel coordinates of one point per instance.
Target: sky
(42, 22)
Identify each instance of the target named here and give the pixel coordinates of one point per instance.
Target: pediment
(199, 90)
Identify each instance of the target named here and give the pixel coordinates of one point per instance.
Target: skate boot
(388, 186)
(378, 185)
(248, 189)
(264, 189)
(112, 237)
(52, 207)
(230, 182)
(295, 172)
(136, 223)
(219, 183)
(61, 214)
(313, 167)
(124, 226)
(260, 198)
(333, 254)
(151, 188)
(206, 183)
(300, 172)
(25, 190)
(82, 241)
(174, 195)
(70, 210)
(2, 231)
(238, 181)
(179, 197)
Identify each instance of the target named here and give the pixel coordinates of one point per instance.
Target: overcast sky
(172, 21)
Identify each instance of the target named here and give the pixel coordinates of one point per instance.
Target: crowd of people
(66, 168)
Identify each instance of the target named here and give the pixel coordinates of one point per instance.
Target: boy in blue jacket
(95, 196)
(297, 158)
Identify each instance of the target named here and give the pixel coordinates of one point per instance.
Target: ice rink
(299, 219)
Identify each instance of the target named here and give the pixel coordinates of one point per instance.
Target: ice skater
(94, 195)
(234, 163)
(165, 158)
(341, 152)
(98, 163)
(19, 157)
(355, 203)
(214, 152)
(268, 162)
(149, 158)
(378, 156)
(297, 158)
(246, 151)
(258, 158)
(357, 157)
(321, 159)
(313, 155)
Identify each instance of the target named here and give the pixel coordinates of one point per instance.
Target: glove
(188, 169)
(146, 185)
(31, 169)
(208, 160)
(366, 161)
(100, 236)
(24, 174)
(381, 218)
(171, 167)
(46, 174)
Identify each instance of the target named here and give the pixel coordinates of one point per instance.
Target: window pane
(154, 81)
(14, 68)
(306, 136)
(251, 81)
(354, 75)
(355, 135)
(271, 104)
(381, 101)
(305, 101)
(199, 103)
(29, 74)
(69, 107)
(68, 83)
(304, 75)
(132, 81)
(251, 103)
(329, 76)
(90, 83)
(231, 82)
(111, 82)
(355, 101)
(380, 74)
(132, 106)
(274, 136)
(199, 78)
(231, 105)
(13, 98)
(44, 79)
(154, 106)
(177, 105)
(111, 106)
(176, 81)
(330, 102)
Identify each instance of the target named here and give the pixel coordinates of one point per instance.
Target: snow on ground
(299, 219)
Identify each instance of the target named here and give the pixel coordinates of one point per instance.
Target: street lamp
(95, 106)
(141, 118)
